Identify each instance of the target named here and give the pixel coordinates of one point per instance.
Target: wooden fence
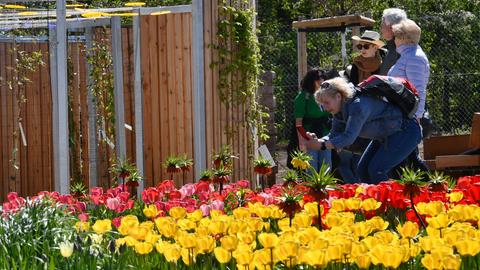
(166, 56)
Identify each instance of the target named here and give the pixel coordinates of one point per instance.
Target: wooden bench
(456, 151)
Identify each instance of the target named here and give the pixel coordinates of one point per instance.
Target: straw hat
(370, 37)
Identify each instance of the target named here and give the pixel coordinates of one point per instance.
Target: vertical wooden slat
(207, 18)
(128, 93)
(154, 98)
(163, 90)
(3, 124)
(172, 91)
(34, 131)
(24, 151)
(46, 115)
(10, 120)
(187, 85)
(179, 89)
(82, 74)
(147, 110)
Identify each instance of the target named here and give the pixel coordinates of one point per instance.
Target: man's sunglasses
(365, 46)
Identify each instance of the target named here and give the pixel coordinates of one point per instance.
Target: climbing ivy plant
(100, 60)
(239, 65)
(25, 64)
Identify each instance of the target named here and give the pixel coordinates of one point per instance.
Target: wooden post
(62, 176)
(120, 147)
(199, 144)
(92, 117)
(301, 54)
(138, 93)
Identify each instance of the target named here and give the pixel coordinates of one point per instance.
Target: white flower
(66, 249)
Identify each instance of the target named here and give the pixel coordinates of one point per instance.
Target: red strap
(303, 132)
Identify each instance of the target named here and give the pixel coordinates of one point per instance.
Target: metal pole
(63, 180)
(199, 143)
(121, 149)
(138, 100)
(92, 117)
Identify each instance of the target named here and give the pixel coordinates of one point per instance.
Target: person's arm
(417, 71)
(357, 117)
(354, 75)
(300, 105)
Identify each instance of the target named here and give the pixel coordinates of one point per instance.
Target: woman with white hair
(390, 17)
(393, 134)
(413, 63)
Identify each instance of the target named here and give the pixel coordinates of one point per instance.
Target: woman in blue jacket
(393, 135)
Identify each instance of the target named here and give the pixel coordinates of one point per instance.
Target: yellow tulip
(353, 203)
(359, 191)
(172, 253)
(222, 255)
(338, 205)
(334, 252)
(312, 209)
(268, 240)
(241, 212)
(429, 242)
(393, 258)
(439, 222)
(195, 216)
(130, 241)
(468, 247)
(66, 249)
(431, 262)
(361, 229)
(455, 196)
(339, 219)
(187, 240)
(177, 212)
(82, 226)
(127, 223)
(205, 244)
(143, 248)
(246, 237)
(451, 261)
(243, 257)
(442, 250)
(168, 229)
(263, 211)
(430, 209)
(160, 246)
(218, 227)
(302, 220)
(300, 164)
(139, 232)
(378, 223)
(277, 213)
(186, 224)
(358, 249)
(214, 214)
(408, 230)
(150, 211)
(316, 258)
(363, 261)
(287, 250)
(188, 255)
(152, 237)
(370, 204)
(229, 242)
(120, 242)
(102, 226)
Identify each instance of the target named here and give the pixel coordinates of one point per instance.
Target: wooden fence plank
(147, 109)
(46, 114)
(187, 86)
(155, 113)
(163, 102)
(179, 89)
(3, 124)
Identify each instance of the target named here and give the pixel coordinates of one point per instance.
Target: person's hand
(315, 144)
(311, 136)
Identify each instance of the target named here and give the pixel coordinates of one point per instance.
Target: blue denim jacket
(365, 117)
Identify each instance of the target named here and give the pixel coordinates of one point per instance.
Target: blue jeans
(319, 157)
(348, 166)
(382, 156)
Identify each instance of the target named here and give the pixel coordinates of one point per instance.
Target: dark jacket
(390, 58)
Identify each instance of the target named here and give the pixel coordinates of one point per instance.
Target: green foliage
(29, 238)
(25, 64)
(239, 67)
(101, 72)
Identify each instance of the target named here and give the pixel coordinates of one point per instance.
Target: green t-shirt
(307, 107)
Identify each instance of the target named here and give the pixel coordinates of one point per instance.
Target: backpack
(397, 91)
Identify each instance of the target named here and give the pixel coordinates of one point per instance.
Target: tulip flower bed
(195, 227)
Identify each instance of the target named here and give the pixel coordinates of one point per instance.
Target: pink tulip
(113, 203)
(217, 205)
(205, 209)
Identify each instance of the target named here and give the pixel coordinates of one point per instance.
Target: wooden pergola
(58, 22)
(329, 24)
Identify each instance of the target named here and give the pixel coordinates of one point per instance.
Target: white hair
(393, 16)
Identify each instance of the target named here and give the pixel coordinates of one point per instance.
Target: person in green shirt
(310, 117)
